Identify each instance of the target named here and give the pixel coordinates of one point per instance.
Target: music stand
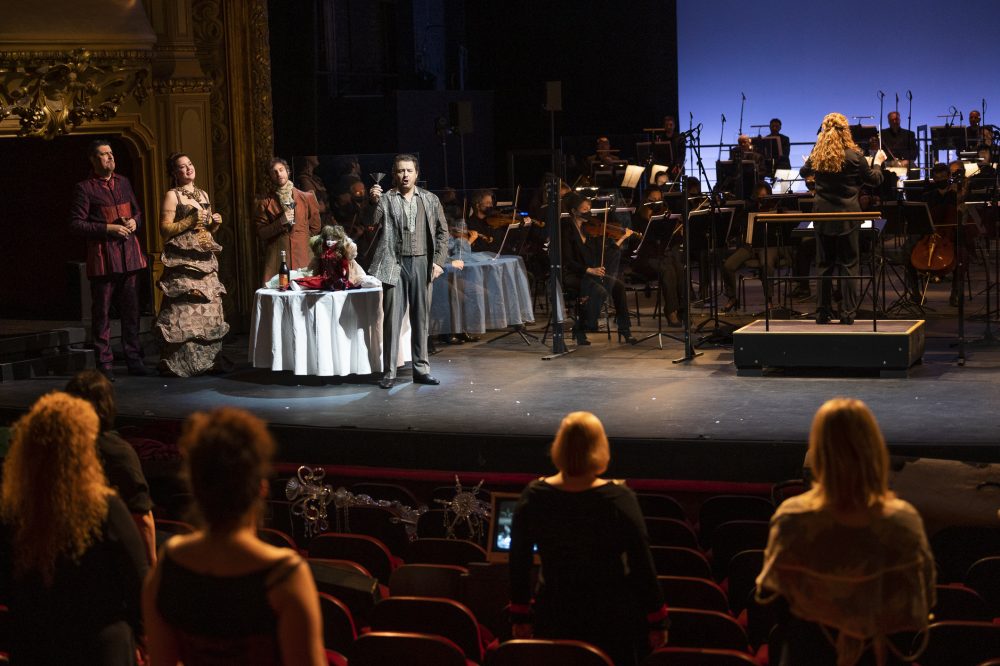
(862, 134)
(660, 231)
(714, 227)
(948, 138)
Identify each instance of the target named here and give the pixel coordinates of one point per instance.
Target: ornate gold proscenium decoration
(53, 93)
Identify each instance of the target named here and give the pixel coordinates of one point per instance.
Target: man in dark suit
(782, 161)
(899, 144)
(840, 170)
(411, 254)
(106, 213)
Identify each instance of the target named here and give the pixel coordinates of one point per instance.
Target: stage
(499, 404)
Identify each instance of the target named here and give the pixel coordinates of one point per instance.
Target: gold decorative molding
(54, 92)
(183, 85)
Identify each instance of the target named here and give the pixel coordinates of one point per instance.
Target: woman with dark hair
(221, 595)
(597, 582)
(191, 323)
(71, 560)
(118, 458)
(851, 560)
(840, 171)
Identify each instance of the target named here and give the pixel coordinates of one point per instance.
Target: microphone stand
(689, 352)
(742, 104)
(722, 133)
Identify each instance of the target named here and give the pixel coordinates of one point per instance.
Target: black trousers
(841, 252)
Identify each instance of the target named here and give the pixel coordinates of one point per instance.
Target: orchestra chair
(356, 590)
(958, 547)
(958, 602)
(685, 592)
(339, 631)
(734, 537)
(428, 580)
(677, 561)
(984, 577)
(444, 551)
(660, 506)
(720, 509)
(693, 628)
(674, 656)
(390, 492)
(367, 551)
(537, 652)
(443, 617)
(399, 648)
(671, 532)
(741, 577)
(959, 643)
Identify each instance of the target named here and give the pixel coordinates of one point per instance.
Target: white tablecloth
(321, 332)
(485, 295)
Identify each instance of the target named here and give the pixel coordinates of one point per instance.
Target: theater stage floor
(499, 403)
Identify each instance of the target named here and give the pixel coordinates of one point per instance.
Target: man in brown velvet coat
(286, 218)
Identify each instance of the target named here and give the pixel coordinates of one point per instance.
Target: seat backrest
(674, 656)
(953, 643)
(984, 577)
(444, 617)
(380, 648)
(390, 492)
(677, 561)
(706, 629)
(487, 593)
(278, 515)
(957, 602)
(660, 506)
(367, 551)
(276, 538)
(723, 508)
(958, 547)
(742, 572)
(428, 580)
(734, 537)
(686, 592)
(444, 551)
(536, 652)
(670, 532)
(380, 523)
(782, 490)
(357, 591)
(339, 631)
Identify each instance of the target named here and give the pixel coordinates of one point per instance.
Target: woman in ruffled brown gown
(191, 323)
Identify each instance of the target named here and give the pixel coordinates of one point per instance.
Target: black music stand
(986, 213)
(656, 227)
(947, 137)
(710, 228)
(778, 236)
(862, 134)
(907, 219)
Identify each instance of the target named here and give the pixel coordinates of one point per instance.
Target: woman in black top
(840, 171)
(584, 275)
(71, 560)
(597, 582)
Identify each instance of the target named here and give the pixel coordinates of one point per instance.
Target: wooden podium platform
(891, 351)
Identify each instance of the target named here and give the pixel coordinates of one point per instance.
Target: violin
(498, 221)
(471, 236)
(595, 227)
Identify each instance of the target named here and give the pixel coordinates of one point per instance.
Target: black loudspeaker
(553, 95)
(460, 114)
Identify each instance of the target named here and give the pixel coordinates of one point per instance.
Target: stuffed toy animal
(333, 256)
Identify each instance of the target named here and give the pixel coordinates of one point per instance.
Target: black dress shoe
(627, 337)
(108, 372)
(846, 320)
(386, 382)
(823, 318)
(430, 380)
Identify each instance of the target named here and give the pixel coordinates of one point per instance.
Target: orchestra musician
(583, 274)
(840, 171)
(480, 208)
(975, 134)
(745, 252)
(900, 145)
(676, 141)
(782, 161)
(658, 255)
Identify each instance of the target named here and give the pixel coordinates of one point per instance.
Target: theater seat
(398, 648)
(536, 652)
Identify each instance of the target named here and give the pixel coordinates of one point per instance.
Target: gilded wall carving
(52, 93)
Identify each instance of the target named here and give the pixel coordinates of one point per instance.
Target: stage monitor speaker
(461, 116)
(553, 95)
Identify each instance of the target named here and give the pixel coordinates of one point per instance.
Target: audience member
(118, 458)
(71, 560)
(850, 559)
(597, 581)
(221, 595)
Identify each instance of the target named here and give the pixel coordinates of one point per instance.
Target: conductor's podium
(890, 351)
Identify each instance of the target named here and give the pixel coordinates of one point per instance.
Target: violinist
(658, 255)
(461, 254)
(480, 208)
(584, 246)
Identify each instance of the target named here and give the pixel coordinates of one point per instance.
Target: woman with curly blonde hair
(849, 558)
(71, 560)
(840, 170)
